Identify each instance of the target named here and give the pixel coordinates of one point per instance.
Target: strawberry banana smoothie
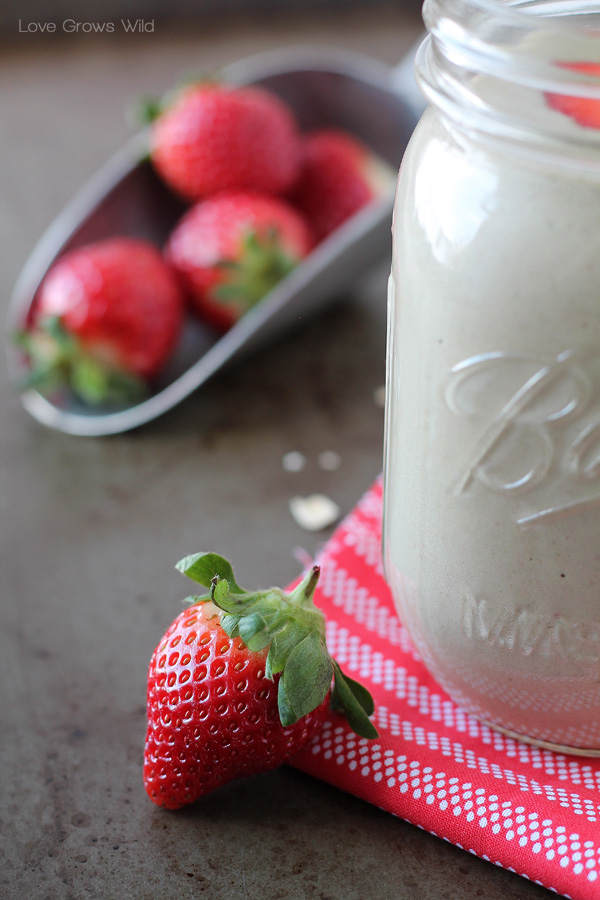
(492, 513)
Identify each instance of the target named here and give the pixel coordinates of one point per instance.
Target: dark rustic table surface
(91, 529)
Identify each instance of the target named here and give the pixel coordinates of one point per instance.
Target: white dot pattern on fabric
(521, 807)
(362, 663)
(518, 823)
(365, 609)
(365, 544)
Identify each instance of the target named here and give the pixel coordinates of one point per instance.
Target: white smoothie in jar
(492, 487)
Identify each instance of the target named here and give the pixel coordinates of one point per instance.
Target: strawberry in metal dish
(214, 137)
(105, 321)
(240, 682)
(231, 249)
(340, 176)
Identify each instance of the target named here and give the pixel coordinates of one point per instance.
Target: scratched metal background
(91, 528)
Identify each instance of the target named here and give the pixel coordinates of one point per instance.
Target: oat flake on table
(315, 512)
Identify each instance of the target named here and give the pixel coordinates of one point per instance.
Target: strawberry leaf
(221, 595)
(57, 359)
(202, 567)
(362, 695)
(241, 604)
(307, 675)
(295, 630)
(286, 713)
(254, 631)
(147, 110)
(228, 265)
(282, 645)
(96, 383)
(356, 714)
(260, 264)
(229, 624)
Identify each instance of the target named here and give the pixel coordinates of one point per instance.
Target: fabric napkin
(529, 810)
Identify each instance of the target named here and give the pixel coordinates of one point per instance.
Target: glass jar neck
(525, 73)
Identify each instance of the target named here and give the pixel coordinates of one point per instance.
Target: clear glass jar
(492, 469)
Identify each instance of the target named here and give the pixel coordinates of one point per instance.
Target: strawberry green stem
(306, 589)
(57, 360)
(293, 629)
(260, 264)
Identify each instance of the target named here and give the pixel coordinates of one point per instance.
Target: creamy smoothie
(492, 510)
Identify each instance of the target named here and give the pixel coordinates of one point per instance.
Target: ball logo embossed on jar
(533, 401)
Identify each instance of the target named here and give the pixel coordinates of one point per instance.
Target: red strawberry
(230, 250)
(340, 175)
(219, 138)
(106, 319)
(238, 696)
(583, 110)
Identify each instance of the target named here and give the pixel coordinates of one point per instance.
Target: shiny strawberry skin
(212, 713)
(218, 138)
(334, 182)
(213, 231)
(120, 300)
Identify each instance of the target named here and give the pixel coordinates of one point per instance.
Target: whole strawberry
(583, 110)
(230, 250)
(105, 321)
(340, 175)
(216, 137)
(239, 682)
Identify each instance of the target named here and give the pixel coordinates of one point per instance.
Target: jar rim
(499, 69)
(523, 12)
(458, 23)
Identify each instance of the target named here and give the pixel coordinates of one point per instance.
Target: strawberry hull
(120, 300)
(212, 713)
(230, 250)
(239, 683)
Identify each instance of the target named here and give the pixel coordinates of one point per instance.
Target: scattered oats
(329, 461)
(314, 513)
(294, 461)
(379, 396)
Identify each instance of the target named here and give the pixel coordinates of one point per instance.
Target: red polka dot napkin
(534, 812)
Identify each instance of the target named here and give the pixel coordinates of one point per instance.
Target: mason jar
(492, 468)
